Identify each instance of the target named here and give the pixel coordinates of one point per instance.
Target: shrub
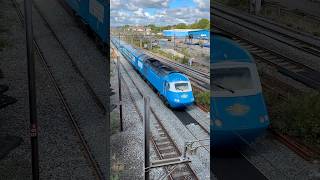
(300, 117)
(203, 98)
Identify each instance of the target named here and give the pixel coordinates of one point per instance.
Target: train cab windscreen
(181, 87)
(232, 79)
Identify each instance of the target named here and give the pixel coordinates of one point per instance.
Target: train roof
(136, 52)
(160, 67)
(225, 49)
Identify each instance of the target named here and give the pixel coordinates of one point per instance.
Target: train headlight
(176, 100)
(261, 119)
(218, 122)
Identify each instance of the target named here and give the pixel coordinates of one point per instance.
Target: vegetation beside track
(298, 117)
(202, 98)
(298, 21)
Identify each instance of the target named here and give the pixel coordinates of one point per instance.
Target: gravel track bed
(200, 116)
(127, 146)
(276, 161)
(176, 129)
(60, 152)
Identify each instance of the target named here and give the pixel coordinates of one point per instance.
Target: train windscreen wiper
(222, 87)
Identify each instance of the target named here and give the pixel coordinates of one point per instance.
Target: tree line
(200, 24)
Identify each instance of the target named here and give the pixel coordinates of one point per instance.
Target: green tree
(204, 24)
(125, 27)
(181, 26)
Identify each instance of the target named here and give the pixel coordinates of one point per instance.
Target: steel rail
(284, 38)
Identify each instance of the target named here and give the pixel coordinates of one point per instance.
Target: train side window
(167, 86)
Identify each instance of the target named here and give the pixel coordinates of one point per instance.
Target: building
(140, 29)
(186, 33)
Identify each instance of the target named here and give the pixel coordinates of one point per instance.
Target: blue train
(238, 110)
(173, 87)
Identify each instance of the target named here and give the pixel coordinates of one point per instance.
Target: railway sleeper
(161, 134)
(166, 142)
(159, 140)
(284, 64)
(292, 67)
(263, 54)
(181, 172)
(160, 145)
(166, 148)
(169, 153)
(272, 58)
(169, 156)
(257, 51)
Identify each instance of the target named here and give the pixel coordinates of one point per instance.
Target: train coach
(238, 110)
(94, 15)
(173, 87)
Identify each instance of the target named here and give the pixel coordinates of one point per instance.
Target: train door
(166, 88)
(145, 68)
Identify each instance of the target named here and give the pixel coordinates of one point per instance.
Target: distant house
(141, 29)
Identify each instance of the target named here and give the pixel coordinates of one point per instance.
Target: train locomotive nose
(182, 100)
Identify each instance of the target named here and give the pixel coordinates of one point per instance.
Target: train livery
(173, 87)
(238, 110)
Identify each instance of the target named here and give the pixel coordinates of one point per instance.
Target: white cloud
(138, 12)
(202, 4)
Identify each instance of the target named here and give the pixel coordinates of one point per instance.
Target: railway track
(163, 144)
(86, 148)
(96, 98)
(283, 64)
(291, 37)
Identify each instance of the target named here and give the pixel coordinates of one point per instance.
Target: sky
(159, 12)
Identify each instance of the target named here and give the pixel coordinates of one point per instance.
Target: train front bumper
(179, 105)
(237, 137)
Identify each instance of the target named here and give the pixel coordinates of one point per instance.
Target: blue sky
(182, 3)
(159, 12)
